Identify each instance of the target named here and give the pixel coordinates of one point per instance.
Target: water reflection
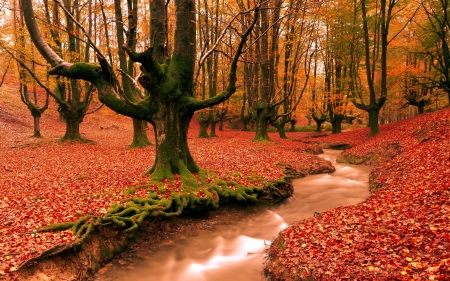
(235, 252)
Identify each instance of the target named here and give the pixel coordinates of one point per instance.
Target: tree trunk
(373, 121)
(212, 132)
(203, 132)
(204, 121)
(37, 126)
(140, 138)
(280, 127)
(336, 123)
(262, 122)
(245, 121)
(72, 129)
(319, 126)
(172, 152)
(319, 122)
(421, 107)
(293, 122)
(281, 130)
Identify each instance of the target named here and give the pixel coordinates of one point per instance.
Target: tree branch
(231, 89)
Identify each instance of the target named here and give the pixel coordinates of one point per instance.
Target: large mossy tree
(170, 103)
(176, 183)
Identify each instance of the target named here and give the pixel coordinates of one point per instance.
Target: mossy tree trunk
(262, 121)
(140, 138)
(336, 123)
(218, 117)
(279, 125)
(204, 119)
(171, 125)
(212, 130)
(72, 129)
(72, 107)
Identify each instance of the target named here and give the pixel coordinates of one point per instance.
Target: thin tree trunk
(37, 127)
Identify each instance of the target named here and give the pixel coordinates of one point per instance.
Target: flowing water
(234, 252)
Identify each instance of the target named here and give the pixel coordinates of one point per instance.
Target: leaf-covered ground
(401, 232)
(43, 181)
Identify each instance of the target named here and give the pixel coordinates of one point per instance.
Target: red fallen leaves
(46, 181)
(400, 232)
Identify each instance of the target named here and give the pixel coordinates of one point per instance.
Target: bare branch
(219, 39)
(82, 29)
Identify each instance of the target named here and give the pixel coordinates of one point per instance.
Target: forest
(117, 113)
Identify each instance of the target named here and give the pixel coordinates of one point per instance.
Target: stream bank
(234, 251)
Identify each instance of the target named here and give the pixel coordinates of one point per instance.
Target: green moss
(197, 193)
(57, 227)
(85, 71)
(115, 209)
(129, 191)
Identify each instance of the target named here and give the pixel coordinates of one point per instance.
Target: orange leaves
(399, 233)
(46, 181)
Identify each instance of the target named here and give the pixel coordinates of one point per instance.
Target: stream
(234, 252)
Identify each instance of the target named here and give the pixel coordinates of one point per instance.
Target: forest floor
(401, 232)
(44, 181)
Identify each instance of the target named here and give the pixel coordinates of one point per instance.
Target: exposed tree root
(173, 197)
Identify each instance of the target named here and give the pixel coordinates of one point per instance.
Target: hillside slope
(401, 232)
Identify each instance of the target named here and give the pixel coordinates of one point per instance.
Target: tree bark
(204, 121)
(37, 127)
(72, 129)
(140, 138)
(280, 127)
(262, 121)
(373, 121)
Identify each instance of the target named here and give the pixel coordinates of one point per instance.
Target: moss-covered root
(181, 195)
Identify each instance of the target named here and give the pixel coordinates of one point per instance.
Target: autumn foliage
(401, 232)
(45, 181)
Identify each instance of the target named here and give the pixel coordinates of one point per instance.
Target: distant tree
(72, 96)
(277, 102)
(21, 50)
(376, 22)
